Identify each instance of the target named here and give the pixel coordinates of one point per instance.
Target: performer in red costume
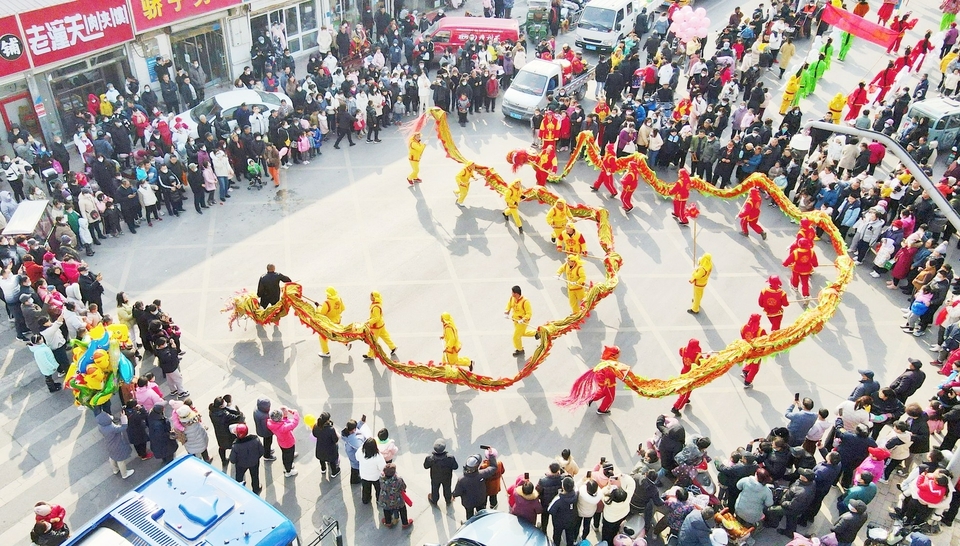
(773, 299)
(600, 383)
(749, 331)
(919, 52)
(750, 214)
(546, 164)
(691, 356)
(549, 129)
(608, 166)
(806, 231)
(884, 80)
(801, 261)
(856, 101)
(680, 193)
(628, 185)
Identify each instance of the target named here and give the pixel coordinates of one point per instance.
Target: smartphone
(603, 460)
(484, 447)
(796, 396)
(526, 475)
(589, 473)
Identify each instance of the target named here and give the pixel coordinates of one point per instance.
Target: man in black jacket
(168, 90)
(441, 466)
(673, 438)
(796, 501)
(740, 465)
(471, 487)
(169, 362)
(245, 455)
(268, 289)
(90, 288)
(566, 520)
(129, 202)
(849, 524)
(645, 497)
(548, 487)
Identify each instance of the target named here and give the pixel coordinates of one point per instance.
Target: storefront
(295, 26)
(16, 103)
(72, 84)
(205, 45)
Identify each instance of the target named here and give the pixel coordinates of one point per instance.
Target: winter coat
(247, 452)
(528, 506)
(853, 449)
(753, 499)
(898, 444)
(920, 434)
(352, 441)
(371, 468)
(147, 397)
(158, 427)
(284, 428)
(848, 526)
(671, 442)
(799, 497)
(260, 416)
(221, 419)
(44, 358)
(197, 439)
(564, 511)
(907, 383)
(391, 492)
(137, 425)
(327, 438)
(118, 448)
(645, 492)
(549, 488)
(695, 531)
(441, 466)
(471, 487)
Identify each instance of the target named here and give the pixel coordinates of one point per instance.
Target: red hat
(240, 430)
(610, 353)
(878, 453)
(774, 281)
(897, 224)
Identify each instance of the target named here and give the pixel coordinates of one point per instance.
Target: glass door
(208, 49)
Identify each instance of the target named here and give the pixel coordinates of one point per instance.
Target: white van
(604, 23)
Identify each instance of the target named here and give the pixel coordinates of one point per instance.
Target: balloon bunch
(689, 23)
(99, 366)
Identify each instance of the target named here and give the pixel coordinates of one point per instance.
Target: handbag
(180, 435)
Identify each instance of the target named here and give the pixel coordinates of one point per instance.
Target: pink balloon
(700, 12)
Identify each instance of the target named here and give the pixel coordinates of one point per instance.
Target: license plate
(515, 115)
(590, 47)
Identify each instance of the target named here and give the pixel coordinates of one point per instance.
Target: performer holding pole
(691, 356)
(750, 214)
(451, 344)
(699, 279)
(628, 185)
(377, 327)
(571, 241)
(598, 384)
(801, 261)
(558, 217)
(572, 269)
(463, 182)
(773, 299)
(749, 331)
(518, 310)
(680, 193)
(512, 197)
(415, 151)
(608, 166)
(332, 308)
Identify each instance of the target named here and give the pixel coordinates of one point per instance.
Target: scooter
(898, 535)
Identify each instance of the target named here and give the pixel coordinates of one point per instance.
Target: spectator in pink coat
(282, 423)
(146, 396)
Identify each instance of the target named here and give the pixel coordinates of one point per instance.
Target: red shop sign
(148, 14)
(72, 29)
(13, 50)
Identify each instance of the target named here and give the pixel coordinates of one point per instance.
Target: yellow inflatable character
(699, 281)
(836, 106)
(451, 344)
(96, 374)
(332, 308)
(518, 309)
(512, 197)
(572, 269)
(558, 217)
(377, 327)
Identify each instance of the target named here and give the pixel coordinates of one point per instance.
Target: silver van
(943, 119)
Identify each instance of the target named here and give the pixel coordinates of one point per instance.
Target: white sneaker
(874, 274)
(306, 161)
(324, 355)
(290, 474)
(128, 474)
(285, 167)
(934, 348)
(857, 262)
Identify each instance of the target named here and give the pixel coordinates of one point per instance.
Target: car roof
(229, 99)
(493, 528)
(937, 107)
(542, 67)
(607, 4)
(477, 23)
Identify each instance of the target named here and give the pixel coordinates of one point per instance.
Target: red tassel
(518, 158)
(582, 391)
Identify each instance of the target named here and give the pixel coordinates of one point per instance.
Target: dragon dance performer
(520, 312)
(463, 182)
(699, 279)
(691, 356)
(415, 151)
(600, 383)
(628, 185)
(572, 269)
(680, 193)
(377, 327)
(608, 166)
(549, 130)
(332, 308)
(802, 260)
(451, 344)
(546, 164)
(750, 214)
(558, 217)
(773, 299)
(806, 231)
(749, 331)
(571, 241)
(512, 197)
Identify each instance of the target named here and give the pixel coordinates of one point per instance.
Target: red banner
(13, 50)
(858, 26)
(75, 28)
(148, 14)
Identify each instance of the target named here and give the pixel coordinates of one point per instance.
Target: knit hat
(858, 506)
(439, 446)
(878, 453)
(276, 415)
(42, 509)
(239, 429)
(185, 412)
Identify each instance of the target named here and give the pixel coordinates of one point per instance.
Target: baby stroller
(255, 170)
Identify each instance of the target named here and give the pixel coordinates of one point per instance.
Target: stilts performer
(884, 80)
(680, 193)
(415, 151)
(572, 270)
(463, 182)
(608, 166)
(773, 299)
(571, 241)
(332, 308)
(600, 383)
(451, 344)
(802, 260)
(628, 185)
(790, 93)
(546, 164)
(377, 327)
(558, 217)
(699, 279)
(749, 331)
(835, 106)
(512, 198)
(520, 312)
(750, 214)
(690, 355)
(856, 100)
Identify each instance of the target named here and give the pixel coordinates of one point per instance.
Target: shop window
(293, 27)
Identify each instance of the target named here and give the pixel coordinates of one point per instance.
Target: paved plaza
(349, 220)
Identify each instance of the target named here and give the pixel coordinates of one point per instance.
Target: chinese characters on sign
(148, 14)
(13, 55)
(72, 29)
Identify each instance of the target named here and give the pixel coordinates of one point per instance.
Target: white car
(223, 105)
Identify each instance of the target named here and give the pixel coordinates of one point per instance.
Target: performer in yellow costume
(451, 344)
(571, 241)
(789, 93)
(415, 151)
(836, 106)
(375, 322)
(512, 197)
(332, 308)
(572, 269)
(463, 182)
(558, 217)
(699, 281)
(518, 309)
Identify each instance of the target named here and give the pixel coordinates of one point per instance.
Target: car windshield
(530, 83)
(269, 98)
(431, 30)
(209, 108)
(599, 19)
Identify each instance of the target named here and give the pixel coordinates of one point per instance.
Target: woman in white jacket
(589, 495)
(224, 172)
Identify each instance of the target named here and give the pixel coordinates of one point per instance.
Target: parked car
(223, 105)
(493, 528)
(530, 86)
